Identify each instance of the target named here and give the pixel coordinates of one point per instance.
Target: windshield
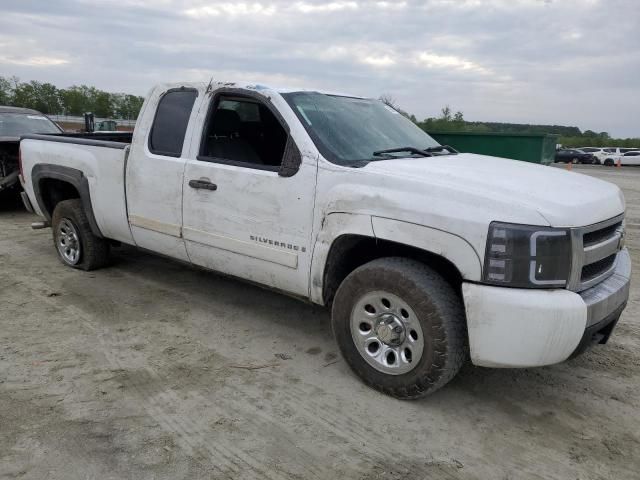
(348, 130)
(16, 124)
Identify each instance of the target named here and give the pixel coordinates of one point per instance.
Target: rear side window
(170, 124)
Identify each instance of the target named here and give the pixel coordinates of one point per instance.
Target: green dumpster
(533, 147)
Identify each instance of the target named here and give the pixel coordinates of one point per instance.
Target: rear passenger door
(155, 170)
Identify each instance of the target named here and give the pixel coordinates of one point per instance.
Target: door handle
(203, 184)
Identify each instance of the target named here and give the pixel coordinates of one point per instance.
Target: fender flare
(439, 242)
(454, 248)
(74, 177)
(334, 225)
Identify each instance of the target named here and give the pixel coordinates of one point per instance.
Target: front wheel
(400, 326)
(75, 243)
(608, 162)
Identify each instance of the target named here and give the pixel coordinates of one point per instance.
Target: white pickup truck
(425, 256)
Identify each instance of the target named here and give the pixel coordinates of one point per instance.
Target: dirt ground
(153, 370)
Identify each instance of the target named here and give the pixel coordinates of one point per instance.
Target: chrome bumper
(609, 295)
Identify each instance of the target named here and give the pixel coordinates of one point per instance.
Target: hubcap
(68, 242)
(387, 333)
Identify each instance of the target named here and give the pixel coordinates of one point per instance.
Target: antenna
(210, 86)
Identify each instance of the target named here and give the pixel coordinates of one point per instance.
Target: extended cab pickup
(426, 256)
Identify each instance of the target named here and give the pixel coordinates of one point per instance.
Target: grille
(595, 249)
(598, 236)
(593, 270)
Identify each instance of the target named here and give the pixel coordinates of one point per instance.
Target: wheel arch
(449, 255)
(55, 183)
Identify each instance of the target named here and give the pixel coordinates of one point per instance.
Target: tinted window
(170, 123)
(632, 154)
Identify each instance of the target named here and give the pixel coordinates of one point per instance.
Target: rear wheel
(400, 326)
(608, 162)
(75, 243)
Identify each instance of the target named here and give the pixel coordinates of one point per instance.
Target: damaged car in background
(15, 122)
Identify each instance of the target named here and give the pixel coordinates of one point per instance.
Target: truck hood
(562, 198)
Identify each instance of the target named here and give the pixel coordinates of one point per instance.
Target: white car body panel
(278, 231)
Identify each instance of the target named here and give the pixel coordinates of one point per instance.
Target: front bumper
(513, 327)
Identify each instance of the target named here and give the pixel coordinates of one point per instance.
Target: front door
(245, 214)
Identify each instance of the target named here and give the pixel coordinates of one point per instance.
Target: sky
(565, 62)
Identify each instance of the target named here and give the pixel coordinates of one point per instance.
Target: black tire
(608, 162)
(93, 251)
(438, 308)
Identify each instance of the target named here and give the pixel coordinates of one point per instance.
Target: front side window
(348, 130)
(170, 123)
(245, 132)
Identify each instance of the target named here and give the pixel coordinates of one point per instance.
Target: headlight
(527, 256)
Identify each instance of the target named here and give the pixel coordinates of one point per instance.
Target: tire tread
(451, 343)
(95, 250)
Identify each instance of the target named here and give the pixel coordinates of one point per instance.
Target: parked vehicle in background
(424, 255)
(15, 122)
(573, 155)
(600, 153)
(628, 158)
(619, 151)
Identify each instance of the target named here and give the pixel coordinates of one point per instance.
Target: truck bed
(97, 163)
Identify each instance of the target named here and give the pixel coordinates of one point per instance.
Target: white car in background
(601, 154)
(627, 158)
(619, 151)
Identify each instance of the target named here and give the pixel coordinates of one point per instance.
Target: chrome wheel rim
(387, 333)
(68, 242)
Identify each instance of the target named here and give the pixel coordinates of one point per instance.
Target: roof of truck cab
(26, 111)
(258, 87)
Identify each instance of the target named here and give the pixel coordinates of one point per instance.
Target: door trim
(155, 226)
(249, 249)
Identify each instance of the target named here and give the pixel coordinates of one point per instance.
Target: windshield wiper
(414, 150)
(440, 148)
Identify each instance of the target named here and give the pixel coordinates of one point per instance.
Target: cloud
(229, 8)
(533, 61)
(33, 61)
(433, 60)
(337, 6)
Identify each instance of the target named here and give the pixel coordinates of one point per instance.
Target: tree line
(450, 121)
(78, 99)
(75, 100)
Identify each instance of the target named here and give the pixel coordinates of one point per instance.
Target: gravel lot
(151, 369)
